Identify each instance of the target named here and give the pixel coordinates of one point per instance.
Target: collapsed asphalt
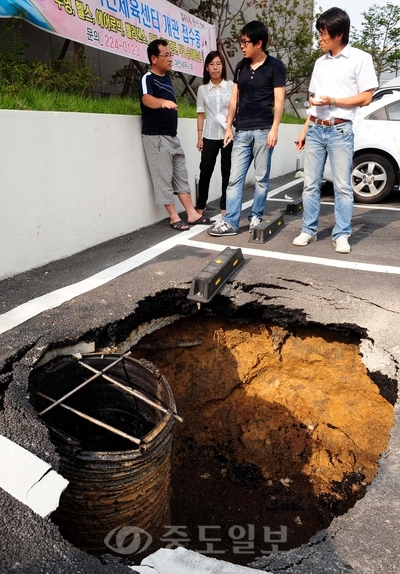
(311, 285)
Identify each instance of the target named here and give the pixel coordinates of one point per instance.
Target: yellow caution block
(266, 230)
(214, 276)
(294, 208)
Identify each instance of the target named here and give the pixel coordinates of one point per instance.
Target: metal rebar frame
(142, 443)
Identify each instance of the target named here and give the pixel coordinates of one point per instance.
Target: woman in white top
(212, 102)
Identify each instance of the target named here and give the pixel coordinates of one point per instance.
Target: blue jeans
(337, 143)
(248, 145)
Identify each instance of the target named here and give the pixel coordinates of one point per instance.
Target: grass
(39, 100)
(290, 119)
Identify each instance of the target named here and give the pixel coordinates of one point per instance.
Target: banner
(123, 27)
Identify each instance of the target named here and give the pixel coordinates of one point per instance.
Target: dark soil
(242, 483)
(210, 491)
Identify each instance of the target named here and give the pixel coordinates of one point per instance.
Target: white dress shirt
(213, 100)
(349, 73)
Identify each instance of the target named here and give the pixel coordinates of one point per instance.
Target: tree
(290, 26)
(227, 17)
(380, 36)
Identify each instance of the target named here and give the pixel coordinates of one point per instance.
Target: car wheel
(372, 178)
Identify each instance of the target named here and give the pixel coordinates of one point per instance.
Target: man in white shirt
(343, 79)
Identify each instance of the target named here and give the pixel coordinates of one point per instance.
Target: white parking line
(34, 307)
(301, 258)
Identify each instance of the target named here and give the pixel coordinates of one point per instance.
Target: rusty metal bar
(94, 421)
(133, 392)
(156, 431)
(181, 344)
(58, 401)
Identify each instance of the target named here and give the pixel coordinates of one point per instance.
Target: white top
(213, 100)
(349, 73)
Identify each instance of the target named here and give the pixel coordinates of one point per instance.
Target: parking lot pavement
(88, 296)
(374, 243)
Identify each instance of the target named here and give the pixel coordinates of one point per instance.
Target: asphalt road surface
(102, 293)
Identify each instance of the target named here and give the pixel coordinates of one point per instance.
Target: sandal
(202, 221)
(179, 226)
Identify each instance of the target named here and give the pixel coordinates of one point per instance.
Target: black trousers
(208, 158)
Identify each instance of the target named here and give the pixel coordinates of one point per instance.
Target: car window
(378, 115)
(393, 112)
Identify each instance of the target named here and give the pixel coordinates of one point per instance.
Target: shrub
(71, 76)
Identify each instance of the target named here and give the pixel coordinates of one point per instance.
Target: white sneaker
(342, 244)
(304, 239)
(254, 222)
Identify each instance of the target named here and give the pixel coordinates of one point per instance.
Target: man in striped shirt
(164, 153)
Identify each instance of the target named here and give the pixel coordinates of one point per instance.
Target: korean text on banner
(123, 27)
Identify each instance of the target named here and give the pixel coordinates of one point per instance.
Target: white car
(389, 87)
(376, 161)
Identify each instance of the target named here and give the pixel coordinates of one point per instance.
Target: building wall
(70, 181)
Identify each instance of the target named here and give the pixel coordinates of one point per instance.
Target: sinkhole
(282, 430)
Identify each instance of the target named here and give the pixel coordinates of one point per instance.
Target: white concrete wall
(71, 181)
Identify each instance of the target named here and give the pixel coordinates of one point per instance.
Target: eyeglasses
(323, 34)
(245, 42)
(164, 56)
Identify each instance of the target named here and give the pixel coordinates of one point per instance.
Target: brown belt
(331, 122)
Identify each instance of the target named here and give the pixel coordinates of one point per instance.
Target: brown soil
(280, 430)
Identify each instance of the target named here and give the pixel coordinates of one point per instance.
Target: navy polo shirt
(159, 121)
(256, 93)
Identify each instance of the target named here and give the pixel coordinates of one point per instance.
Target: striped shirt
(160, 121)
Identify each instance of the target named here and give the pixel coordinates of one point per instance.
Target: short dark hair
(210, 57)
(153, 48)
(256, 31)
(336, 22)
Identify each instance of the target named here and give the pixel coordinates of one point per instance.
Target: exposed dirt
(281, 430)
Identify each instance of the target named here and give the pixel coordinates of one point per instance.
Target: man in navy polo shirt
(164, 153)
(257, 103)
